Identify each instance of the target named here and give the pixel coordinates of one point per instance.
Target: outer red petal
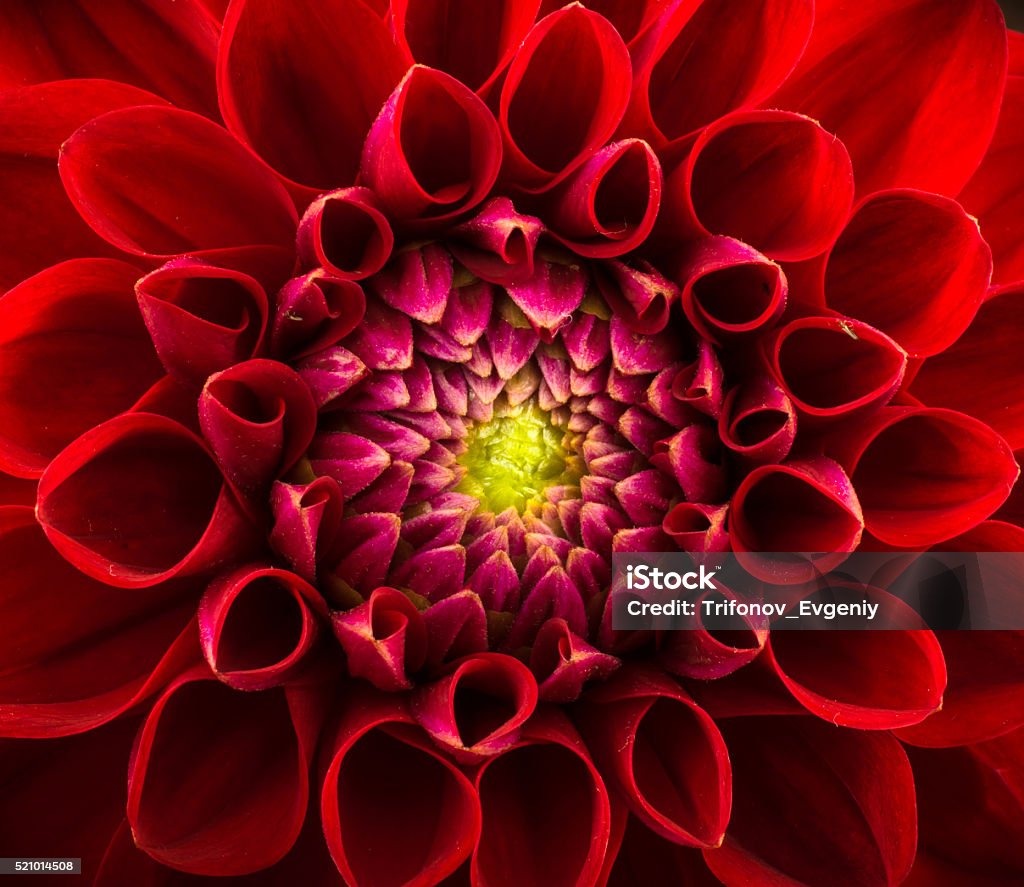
(302, 82)
(73, 352)
(38, 224)
(546, 812)
(703, 60)
(563, 96)
(218, 782)
(772, 179)
(165, 47)
(982, 373)
(905, 241)
(815, 805)
(75, 653)
(912, 88)
(473, 40)
(995, 194)
(160, 182)
(137, 500)
(396, 813)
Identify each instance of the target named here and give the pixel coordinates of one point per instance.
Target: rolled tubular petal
(385, 639)
(729, 288)
(75, 653)
(337, 57)
(846, 676)
(347, 233)
(709, 59)
(758, 421)
(257, 624)
(201, 190)
(546, 811)
(638, 294)
(396, 812)
(909, 239)
(307, 518)
(663, 754)
(563, 96)
(563, 662)
(200, 742)
(608, 206)
(139, 500)
(434, 150)
(698, 528)
(816, 805)
(805, 506)
(478, 708)
(168, 49)
(833, 366)
(73, 352)
(950, 63)
(39, 227)
(258, 417)
(772, 179)
(202, 318)
(960, 472)
(314, 312)
(981, 374)
(498, 243)
(473, 41)
(993, 194)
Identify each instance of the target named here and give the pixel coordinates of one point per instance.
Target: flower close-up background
(343, 343)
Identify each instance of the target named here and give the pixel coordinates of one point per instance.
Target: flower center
(512, 459)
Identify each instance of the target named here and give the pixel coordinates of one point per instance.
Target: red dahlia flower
(344, 342)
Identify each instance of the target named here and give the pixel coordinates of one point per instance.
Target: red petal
(982, 373)
(473, 40)
(563, 662)
(259, 418)
(498, 243)
(948, 64)
(994, 194)
(76, 653)
(302, 86)
(202, 319)
(987, 847)
(346, 232)
(478, 708)
(165, 48)
(816, 805)
(385, 639)
(563, 97)
(546, 812)
(846, 676)
(257, 624)
(159, 182)
(705, 62)
(899, 241)
(663, 753)
(775, 180)
(307, 519)
(218, 782)
(608, 206)
(38, 225)
(808, 506)
(729, 288)
(434, 149)
(833, 366)
(758, 421)
(73, 352)
(137, 500)
(962, 472)
(396, 812)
